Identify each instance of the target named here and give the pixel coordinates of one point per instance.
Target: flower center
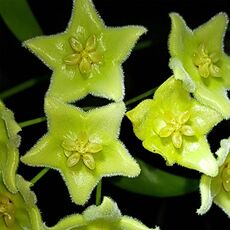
(176, 127)
(80, 148)
(226, 177)
(206, 62)
(84, 56)
(7, 210)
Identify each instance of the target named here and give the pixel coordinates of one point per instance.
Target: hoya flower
(87, 57)
(107, 216)
(199, 60)
(175, 125)
(18, 210)
(83, 146)
(217, 189)
(9, 143)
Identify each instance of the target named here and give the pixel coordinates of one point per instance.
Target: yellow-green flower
(83, 146)
(175, 126)
(198, 58)
(18, 210)
(217, 189)
(107, 216)
(9, 143)
(87, 57)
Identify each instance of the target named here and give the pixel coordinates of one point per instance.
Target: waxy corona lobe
(81, 147)
(87, 57)
(84, 57)
(177, 127)
(207, 63)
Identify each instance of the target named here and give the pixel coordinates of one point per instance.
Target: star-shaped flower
(107, 216)
(83, 146)
(87, 57)
(18, 210)
(199, 60)
(217, 189)
(9, 143)
(175, 125)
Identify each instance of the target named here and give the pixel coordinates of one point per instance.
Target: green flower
(107, 216)
(217, 189)
(87, 57)
(18, 211)
(9, 143)
(83, 146)
(199, 60)
(175, 125)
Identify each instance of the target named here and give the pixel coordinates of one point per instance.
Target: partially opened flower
(83, 146)
(87, 57)
(18, 210)
(199, 60)
(175, 125)
(107, 216)
(217, 189)
(9, 143)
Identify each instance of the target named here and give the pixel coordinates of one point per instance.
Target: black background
(143, 70)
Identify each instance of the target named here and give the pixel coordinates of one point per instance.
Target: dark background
(143, 70)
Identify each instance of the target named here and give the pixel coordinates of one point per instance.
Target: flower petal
(138, 118)
(9, 143)
(206, 195)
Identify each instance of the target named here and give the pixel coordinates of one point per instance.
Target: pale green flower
(198, 58)
(175, 126)
(18, 210)
(217, 189)
(87, 57)
(106, 216)
(9, 143)
(83, 146)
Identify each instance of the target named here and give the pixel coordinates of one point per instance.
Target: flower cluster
(187, 106)
(82, 145)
